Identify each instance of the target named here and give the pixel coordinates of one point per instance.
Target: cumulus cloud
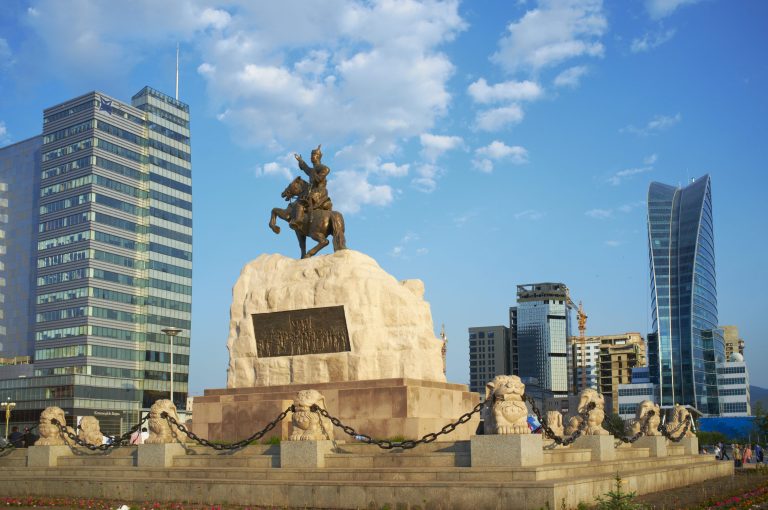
(651, 40)
(426, 180)
(497, 118)
(6, 54)
(434, 146)
(351, 190)
(483, 93)
(3, 133)
(498, 151)
(619, 176)
(650, 159)
(627, 208)
(599, 214)
(392, 170)
(658, 9)
(401, 248)
(657, 124)
(529, 214)
(274, 169)
(556, 31)
(571, 76)
(612, 243)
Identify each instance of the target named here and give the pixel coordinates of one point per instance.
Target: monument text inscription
(297, 332)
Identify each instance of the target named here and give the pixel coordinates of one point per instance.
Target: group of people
(742, 454)
(22, 439)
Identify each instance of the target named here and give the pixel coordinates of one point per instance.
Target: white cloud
(619, 176)
(351, 190)
(571, 76)
(6, 55)
(627, 208)
(433, 146)
(529, 214)
(651, 159)
(658, 9)
(400, 250)
(481, 92)
(556, 31)
(274, 169)
(392, 170)
(497, 118)
(497, 151)
(650, 40)
(657, 124)
(426, 182)
(599, 214)
(422, 251)
(3, 130)
(612, 243)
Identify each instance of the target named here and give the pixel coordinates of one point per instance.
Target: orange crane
(582, 319)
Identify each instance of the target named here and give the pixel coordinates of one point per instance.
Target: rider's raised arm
(305, 167)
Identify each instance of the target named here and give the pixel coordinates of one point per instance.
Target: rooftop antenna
(177, 71)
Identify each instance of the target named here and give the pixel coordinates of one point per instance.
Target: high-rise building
(112, 188)
(733, 386)
(543, 326)
(583, 362)
(514, 366)
(488, 355)
(733, 342)
(619, 355)
(686, 342)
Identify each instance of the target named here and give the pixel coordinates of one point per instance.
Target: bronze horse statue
(317, 224)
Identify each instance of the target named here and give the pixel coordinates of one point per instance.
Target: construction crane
(582, 319)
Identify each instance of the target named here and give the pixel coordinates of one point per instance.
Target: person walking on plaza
(30, 438)
(758, 454)
(723, 453)
(737, 455)
(747, 454)
(16, 438)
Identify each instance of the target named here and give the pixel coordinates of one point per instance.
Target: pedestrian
(758, 454)
(137, 438)
(16, 438)
(737, 456)
(144, 434)
(747, 454)
(718, 452)
(30, 438)
(724, 454)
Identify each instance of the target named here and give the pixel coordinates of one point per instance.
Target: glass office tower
(686, 342)
(113, 258)
(543, 328)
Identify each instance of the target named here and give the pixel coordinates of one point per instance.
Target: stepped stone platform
(383, 408)
(435, 475)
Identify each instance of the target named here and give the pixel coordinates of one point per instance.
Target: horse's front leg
(302, 243)
(322, 242)
(278, 213)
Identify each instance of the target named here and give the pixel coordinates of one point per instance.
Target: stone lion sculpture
(596, 415)
(506, 412)
(50, 434)
(309, 425)
(160, 430)
(555, 422)
(642, 414)
(679, 415)
(90, 431)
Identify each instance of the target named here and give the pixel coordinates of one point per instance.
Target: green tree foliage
(615, 425)
(707, 438)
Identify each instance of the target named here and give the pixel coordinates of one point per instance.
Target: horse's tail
(337, 224)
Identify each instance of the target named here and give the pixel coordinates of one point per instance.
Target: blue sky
(476, 145)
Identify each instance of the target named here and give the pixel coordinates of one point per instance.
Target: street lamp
(8, 408)
(171, 332)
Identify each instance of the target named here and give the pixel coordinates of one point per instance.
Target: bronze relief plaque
(298, 332)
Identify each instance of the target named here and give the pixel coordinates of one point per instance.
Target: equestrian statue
(311, 214)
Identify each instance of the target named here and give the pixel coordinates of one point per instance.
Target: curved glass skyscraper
(686, 341)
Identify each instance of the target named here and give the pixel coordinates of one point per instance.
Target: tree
(615, 425)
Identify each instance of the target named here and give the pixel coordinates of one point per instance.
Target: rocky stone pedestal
(690, 445)
(507, 450)
(657, 445)
(304, 454)
(382, 409)
(602, 446)
(46, 456)
(158, 455)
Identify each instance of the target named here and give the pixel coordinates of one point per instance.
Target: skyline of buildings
(102, 205)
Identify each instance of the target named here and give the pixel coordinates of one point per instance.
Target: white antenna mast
(177, 71)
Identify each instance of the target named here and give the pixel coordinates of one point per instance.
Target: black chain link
(232, 446)
(551, 433)
(385, 444)
(643, 429)
(7, 446)
(669, 434)
(116, 442)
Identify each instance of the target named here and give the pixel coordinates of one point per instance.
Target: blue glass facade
(686, 342)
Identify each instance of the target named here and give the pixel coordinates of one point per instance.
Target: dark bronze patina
(312, 214)
(297, 332)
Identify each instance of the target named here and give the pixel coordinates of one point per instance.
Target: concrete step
(96, 460)
(436, 446)
(674, 449)
(15, 457)
(632, 453)
(562, 455)
(227, 461)
(396, 460)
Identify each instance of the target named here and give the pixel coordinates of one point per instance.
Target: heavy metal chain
(116, 443)
(232, 446)
(386, 444)
(7, 446)
(669, 433)
(551, 433)
(643, 429)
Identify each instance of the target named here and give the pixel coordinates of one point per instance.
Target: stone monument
(338, 324)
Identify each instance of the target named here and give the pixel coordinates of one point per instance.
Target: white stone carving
(506, 413)
(160, 430)
(680, 414)
(642, 414)
(50, 434)
(389, 323)
(596, 415)
(555, 422)
(90, 431)
(309, 425)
